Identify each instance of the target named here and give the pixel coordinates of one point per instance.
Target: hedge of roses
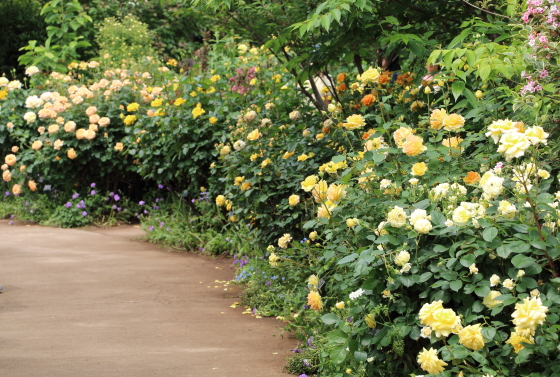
(411, 227)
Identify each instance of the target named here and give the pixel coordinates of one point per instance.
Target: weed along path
(96, 303)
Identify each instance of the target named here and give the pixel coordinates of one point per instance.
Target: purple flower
(114, 206)
(161, 224)
(119, 209)
(254, 311)
(167, 230)
(92, 192)
(157, 200)
(116, 197)
(151, 228)
(68, 205)
(145, 212)
(26, 204)
(306, 307)
(75, 195)
(310, 342)
(160, 186)
(92, 185)
(296, 350)
(141, 202)
(303, 375)
(306, 363)
(155, 207)
(11, 223)
(84, 213)
(192, 201)
(7, 193)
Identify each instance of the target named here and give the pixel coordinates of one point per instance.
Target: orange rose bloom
(368, 100)
(341, 77)
(32, 185)
(384, 79)
(471, 178)
(413, 145)
(314, 301)
(16, 189)
(341, 87)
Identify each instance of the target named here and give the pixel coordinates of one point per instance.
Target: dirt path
(94, 303)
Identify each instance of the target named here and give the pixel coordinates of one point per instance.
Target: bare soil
(100, 302)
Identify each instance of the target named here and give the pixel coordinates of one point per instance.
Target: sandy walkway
(94, 303)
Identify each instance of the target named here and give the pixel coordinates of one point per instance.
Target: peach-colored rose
(413, 145)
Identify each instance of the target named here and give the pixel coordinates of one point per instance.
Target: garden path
(96, 302)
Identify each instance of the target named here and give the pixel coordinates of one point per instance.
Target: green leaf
(456, 285)
(339, 158)
(338, 354)
(360, 356)
(337, 336)
(482, 291)
(330, 319)
(457, 88)
(522, 261)
(489, 234)
(348, 258)
(484, 72)
(460, 352)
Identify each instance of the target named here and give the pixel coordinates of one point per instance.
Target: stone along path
(98, 303)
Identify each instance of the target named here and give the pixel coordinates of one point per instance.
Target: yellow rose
(16, 189)
(37, 144)
(340, 305)
(529, 314)
(220, 200)
(288, 154)
(471, 337)
(179, 101)
(132, 107)
(436, 118)
(536, 135)
(499, 127)
(273, 260)
(402, 258)
(354, 122)
(284, 240)
(445, 322)
(71, 153)
(213, 120)
(254, 135)
(119, 147)
(350, 223)
(513, 144)
(10, 160)
(369, 76)
(313, 236)
(313, 280)
(129, 120)
(426, 314)
(198, 110)
(430, 362)
(309, 183)
(246, 186)
(293, 200)
(58, 144)
(396, 217)
(335, 193)
(104, 121)
(320, 191)
(453, 122)
(516, 339)
(225, 150)
(7, 176)
(400, 135)
(419, 168)
(413, 145)
(32, 185)
(325, 209)
(69, 126)
(314, 301)
(370, 320)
